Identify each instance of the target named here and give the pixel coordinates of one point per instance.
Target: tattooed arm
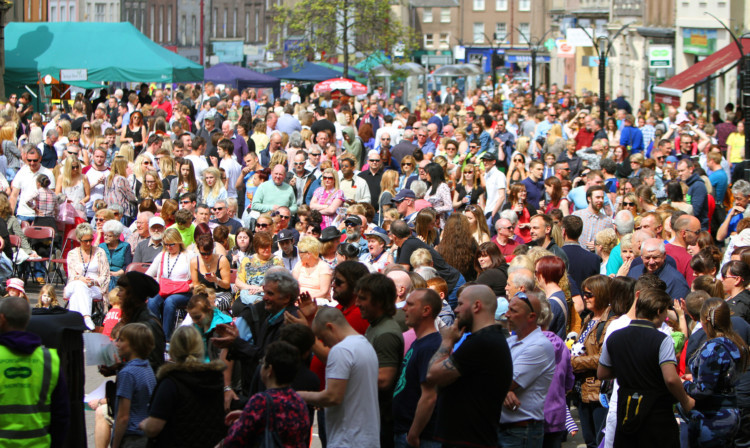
(442, 371)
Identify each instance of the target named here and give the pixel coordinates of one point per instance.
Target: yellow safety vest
(26, 385)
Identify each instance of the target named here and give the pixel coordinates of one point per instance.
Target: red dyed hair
(551, 268)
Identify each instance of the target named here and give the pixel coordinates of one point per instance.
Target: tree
(341, 27)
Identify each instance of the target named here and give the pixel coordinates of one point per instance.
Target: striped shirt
(593, 223)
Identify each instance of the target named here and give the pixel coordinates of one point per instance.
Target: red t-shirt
(508, 248)
(354, 316)
(110, 320)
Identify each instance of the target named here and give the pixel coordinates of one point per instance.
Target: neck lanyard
(86, 266)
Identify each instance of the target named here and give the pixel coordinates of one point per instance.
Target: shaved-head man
(479, 370)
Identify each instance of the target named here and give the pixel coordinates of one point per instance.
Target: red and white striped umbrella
(352, 88)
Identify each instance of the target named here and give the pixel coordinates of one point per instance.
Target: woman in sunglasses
(213, 271)
(517, 170)
(596, 293)
(87, 137)
(74, 185)
(469, 188)
(135, 132)
(118, 191)
(88, 274)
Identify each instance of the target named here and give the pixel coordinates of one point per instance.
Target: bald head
(328, 315)
(402, 281)
(15, 313)
(484, 295)
(639, 236)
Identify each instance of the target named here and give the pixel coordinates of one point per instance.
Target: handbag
(271, 438)
(66, 213)
(169, 287)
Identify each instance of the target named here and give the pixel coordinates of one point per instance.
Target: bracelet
(228, 389)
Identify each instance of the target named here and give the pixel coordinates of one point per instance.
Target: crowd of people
(461, 273)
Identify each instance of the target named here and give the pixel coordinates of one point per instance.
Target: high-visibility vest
(26, 385)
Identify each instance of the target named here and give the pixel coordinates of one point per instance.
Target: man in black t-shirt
(473, 375)
(414, 397)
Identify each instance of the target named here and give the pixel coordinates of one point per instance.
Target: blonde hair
(186, 345)
(119, 168)
(309, 244)
(152, 194)
(50, 290)
(67, 170)
(114, 297)
(278, 158)
(420, 257)
(172, 235)
(606, 238)
(335, 175)
(218, 184)
(126, 150)
(389, 182)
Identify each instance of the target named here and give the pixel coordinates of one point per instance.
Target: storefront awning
(670, 91)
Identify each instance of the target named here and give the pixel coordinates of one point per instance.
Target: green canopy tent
(114, 52)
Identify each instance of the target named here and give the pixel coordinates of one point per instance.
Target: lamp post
(744, 85)
(603, 48)
(533, 49)
(492, 63)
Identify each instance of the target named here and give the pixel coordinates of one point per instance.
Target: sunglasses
(185, 202)
(299, 163)
(216, 209)
(170, 244)
(473, 146)
(88, 240)
(74, 140)
(407, 164)
(32, 160)
(588, 294)
(206, 254)
(351, 224)
(87, 128)
(261, 226)
(327, 178)
(75, 167)
(284, 217)
(100, 219)
(315, 154)
(147, 162)
(374, 160)
(628, 204)
(522, 297)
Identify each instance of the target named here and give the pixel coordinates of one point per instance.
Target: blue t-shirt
(135, 382)
(720, 183)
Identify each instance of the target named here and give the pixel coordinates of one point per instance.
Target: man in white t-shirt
(97, 175)
(231, 168)
(197, 147)
(24, 184)
(351, 393)
(494, 181)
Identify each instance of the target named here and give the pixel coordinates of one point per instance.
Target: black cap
(354, 219)
(330, 233)
(286, 234)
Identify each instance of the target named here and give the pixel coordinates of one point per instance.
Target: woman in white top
(88, 274)
(173, 264)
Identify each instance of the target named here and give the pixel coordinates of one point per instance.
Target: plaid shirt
(648, 132)
(43, 202)
(593, 223)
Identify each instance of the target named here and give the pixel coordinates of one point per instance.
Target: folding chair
(15, 242)
(58, 263)
(41, 233)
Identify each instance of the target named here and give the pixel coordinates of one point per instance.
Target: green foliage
(341, 27)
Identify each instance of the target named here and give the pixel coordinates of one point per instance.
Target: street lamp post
(492, 63)
(603, 48)
(534, 50)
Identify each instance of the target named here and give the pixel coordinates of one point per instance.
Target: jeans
(593, 417)
(553, 439)
(453, 296)
(531, 436)
(400, 442)
(170, 305)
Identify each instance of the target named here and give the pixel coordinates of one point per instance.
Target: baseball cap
(210, 116)
(286, 234)
(329, 234)
(354, 219)
(672, 159)
(404, 194)
(488, 156)
(380, 233)
(156, 221)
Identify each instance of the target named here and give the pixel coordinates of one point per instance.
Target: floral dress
(253, 272)
(326, 197)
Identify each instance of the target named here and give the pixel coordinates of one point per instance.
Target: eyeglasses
(451, 148)
(88, 240)
(661, 158)
(518, 160)
(72, 153)
(86, 127)
(100, 219)
(697, 232)
(261, 226)
(374, 160)
(216, 209)
(75, 167)
(170, 244)
(468, 172)
(74, 140)
(628, 204)
(407, 164)
(299, 163)
(351, 224)
(284, 217)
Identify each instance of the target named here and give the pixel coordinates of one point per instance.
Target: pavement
(94, 379)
